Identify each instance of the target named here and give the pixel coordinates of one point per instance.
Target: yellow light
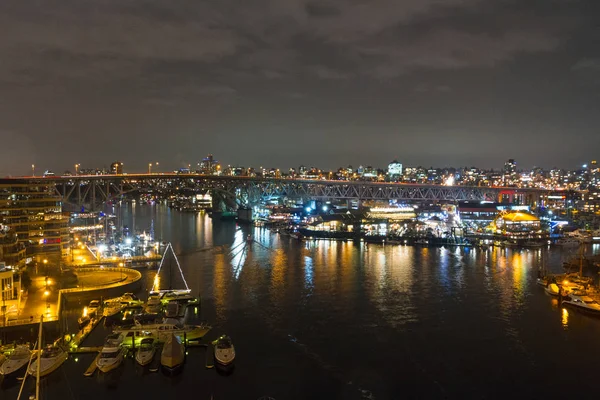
(120, 264)
(45, 261)
(114, 258)
(46, 293)
(85, 311)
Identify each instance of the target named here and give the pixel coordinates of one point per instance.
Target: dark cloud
(229, 67)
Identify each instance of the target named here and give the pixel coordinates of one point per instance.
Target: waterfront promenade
(51, 281)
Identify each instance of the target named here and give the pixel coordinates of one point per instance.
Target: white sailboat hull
(48, 365)
(173, 354)
(12, 366)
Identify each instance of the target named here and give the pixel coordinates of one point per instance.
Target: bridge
(91, 191)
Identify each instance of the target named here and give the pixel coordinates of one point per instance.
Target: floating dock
(93, 366)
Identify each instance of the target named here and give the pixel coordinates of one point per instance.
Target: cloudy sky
(287, 82)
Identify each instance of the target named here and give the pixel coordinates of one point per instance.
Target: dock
(82, 334)
(92, 368)
(209, 360)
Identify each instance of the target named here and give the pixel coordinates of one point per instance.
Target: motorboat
(162, 331)
(145, 352)
(154, 304)
(173, 353)
(93, 307)
(172, 310)
(16, 361)
(180, 296)
(83, 321)
(583, 303)
(224, 351)
(111, 308)
(568, 242)
(112, 353)
(52, 357)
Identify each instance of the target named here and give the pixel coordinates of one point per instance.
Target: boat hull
(584, 310)
(172, 356)
(48, 365)
(104, 366)
(144, 357)
(12, 368)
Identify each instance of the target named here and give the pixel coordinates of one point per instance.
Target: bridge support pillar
(245, 214)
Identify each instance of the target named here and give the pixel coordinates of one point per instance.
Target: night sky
(279, 83)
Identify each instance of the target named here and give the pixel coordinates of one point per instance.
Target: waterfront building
(33, 211)
(516, 224)
(12, 252)
(10, 292)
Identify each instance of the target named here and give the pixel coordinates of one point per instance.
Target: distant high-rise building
(116, 168)
(209, 166)
(394, 170)
(510, 167)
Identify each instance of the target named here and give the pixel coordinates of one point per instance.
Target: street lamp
(150, 167)
(32, 169)
(77, 169)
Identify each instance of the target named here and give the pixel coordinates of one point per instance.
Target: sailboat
(173, 354)
(48, 359)
(166, 293)
(16, 361)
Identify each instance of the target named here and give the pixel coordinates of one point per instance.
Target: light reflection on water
(340, 319)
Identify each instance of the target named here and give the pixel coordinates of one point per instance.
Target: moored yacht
(173, 354)
(145, 352)
(52, 357)
(224, 351)
(112, 353)
(16, 361)
(164, 330)
(154, 304)
(583, 303)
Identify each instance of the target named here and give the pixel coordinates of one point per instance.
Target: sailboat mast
(39, 361)
(581, 259)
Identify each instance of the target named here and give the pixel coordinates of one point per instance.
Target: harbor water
(346, 320)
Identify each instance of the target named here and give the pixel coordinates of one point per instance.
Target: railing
(30, 320)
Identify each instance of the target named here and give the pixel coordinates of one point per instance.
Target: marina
(220, 259)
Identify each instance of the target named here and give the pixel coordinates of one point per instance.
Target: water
(343, 320)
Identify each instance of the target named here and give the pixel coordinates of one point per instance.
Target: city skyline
(298, 82)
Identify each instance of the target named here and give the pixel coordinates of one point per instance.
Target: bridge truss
(92, 191)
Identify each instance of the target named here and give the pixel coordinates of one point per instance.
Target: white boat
(145, 352)
(111, 308)
(173, 353)
(568, 241)
(112, 353)
(583, 303)
(52, 357)
(163, 331)
(154, 304)
(224, 351)
(17, 360)
(180, 296)
(172, 309)
(93, 307)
